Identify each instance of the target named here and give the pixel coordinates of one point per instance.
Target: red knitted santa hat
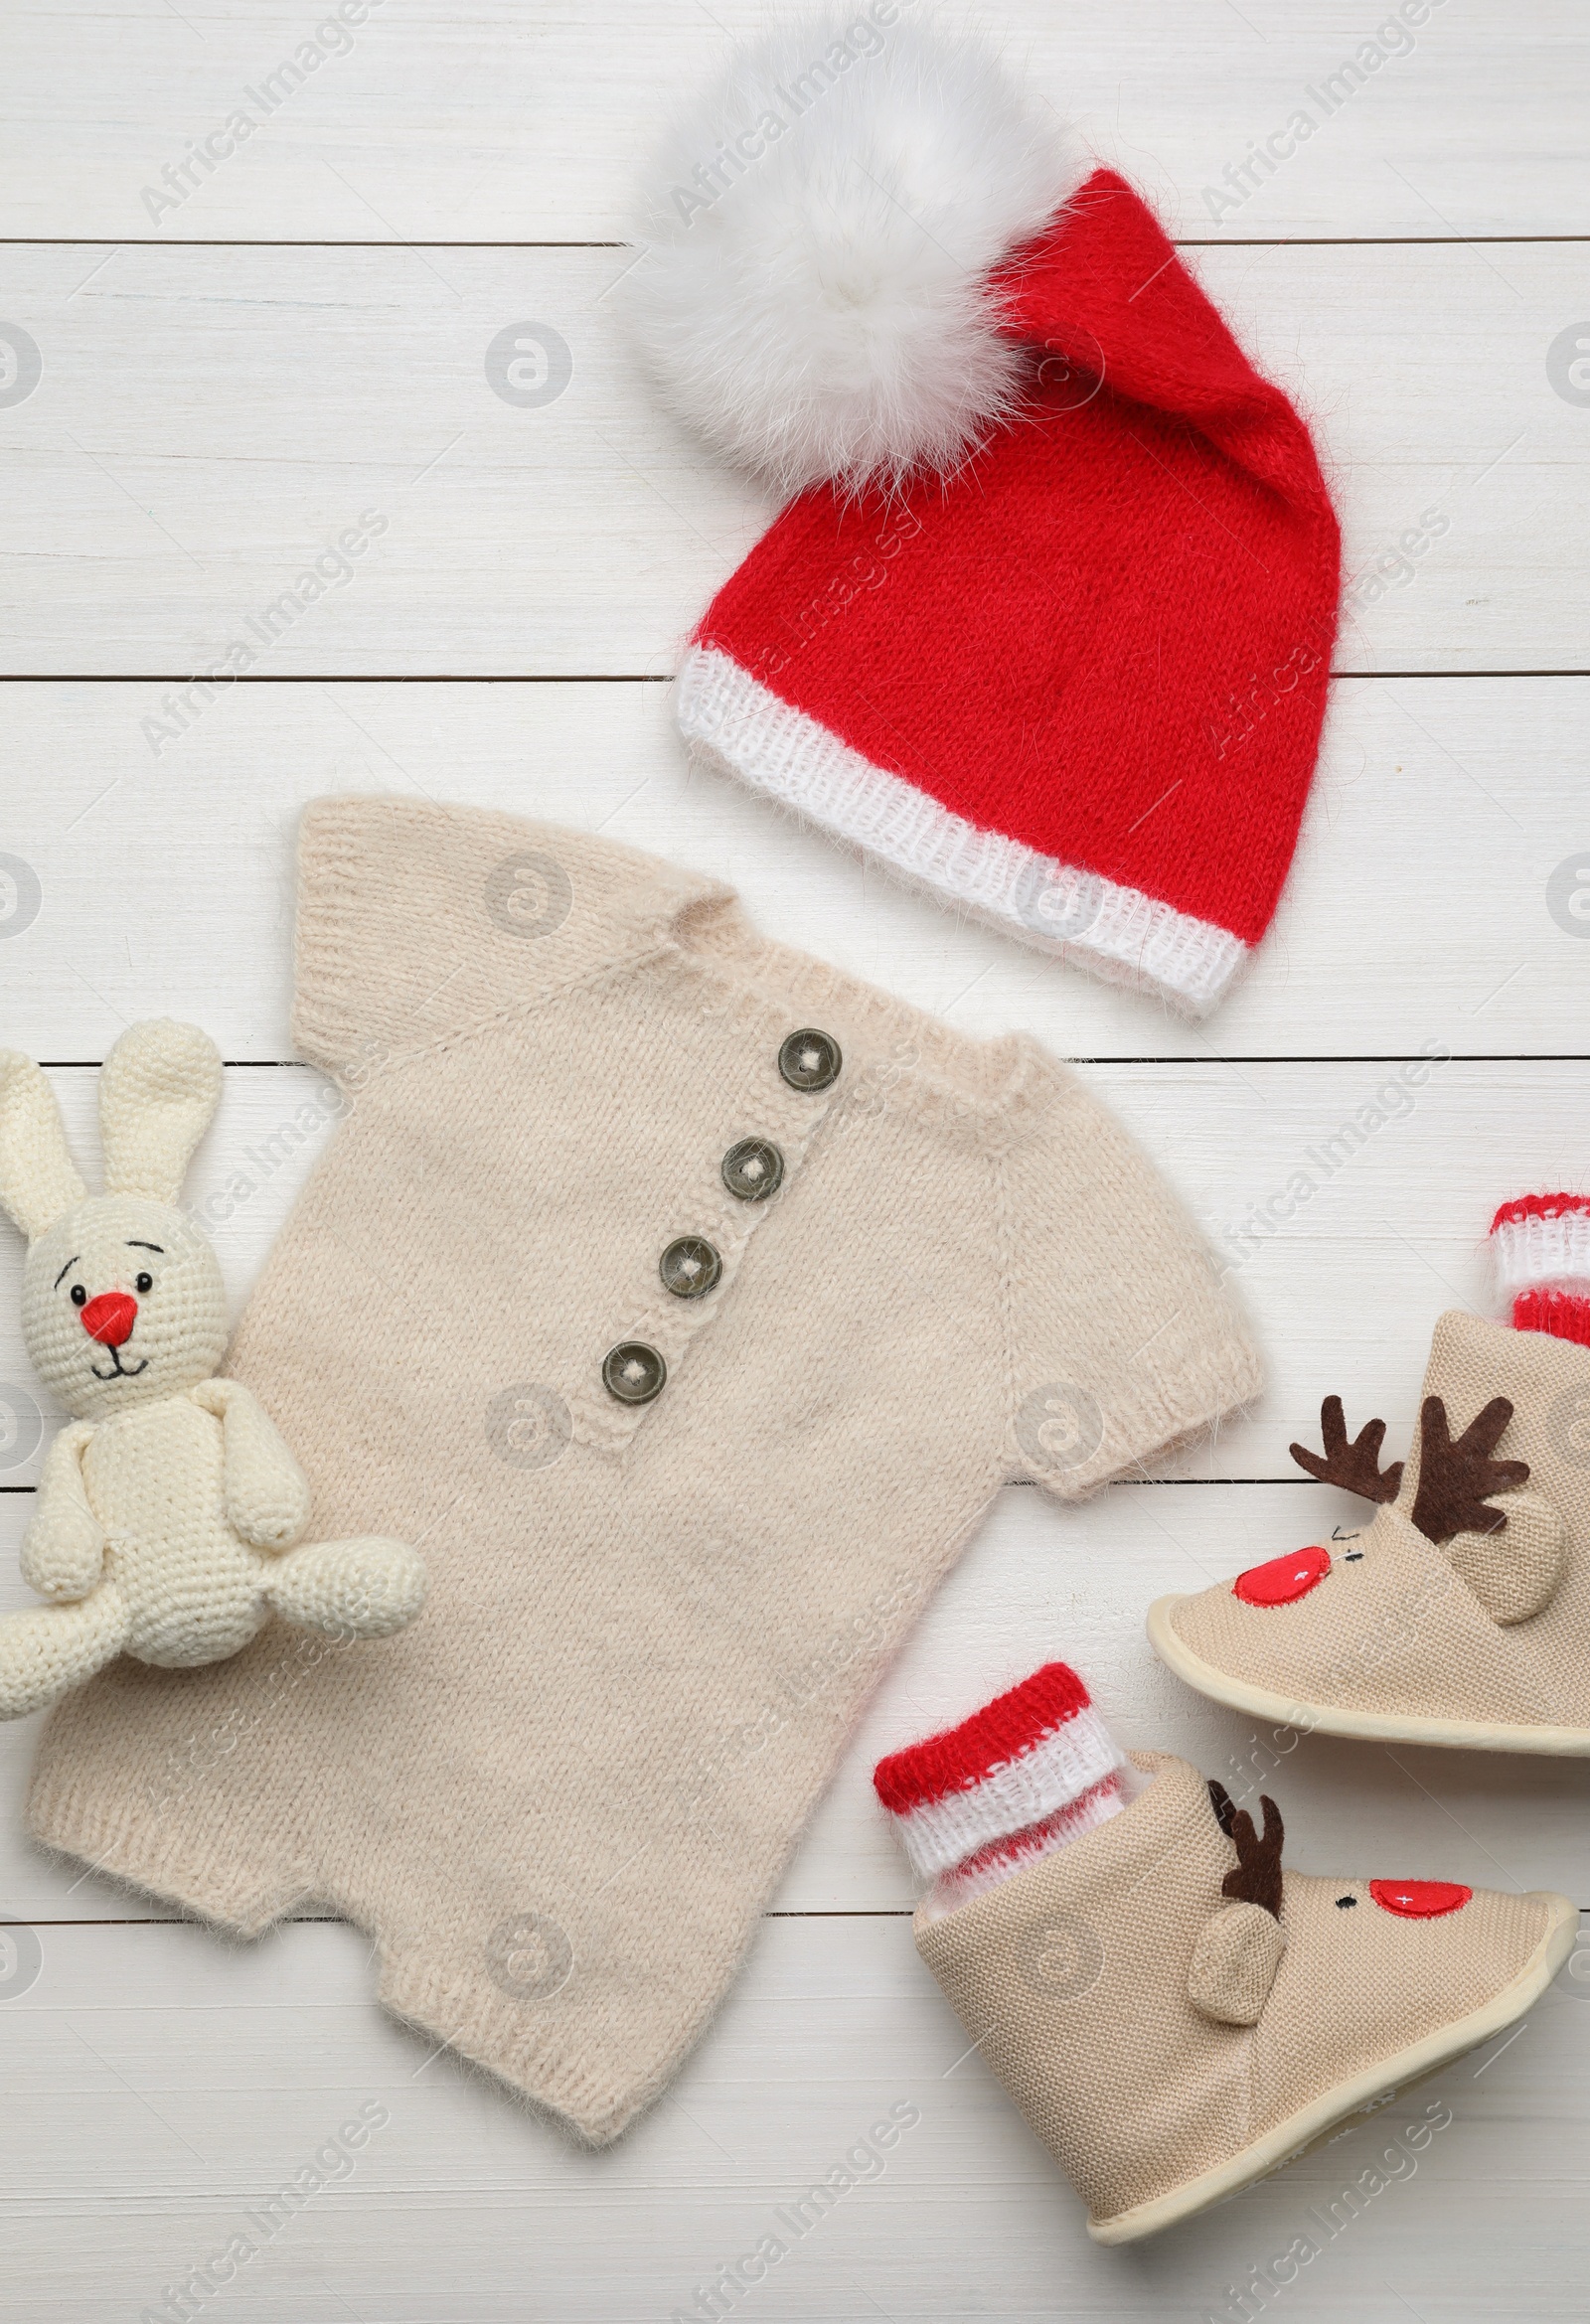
(1048, 626)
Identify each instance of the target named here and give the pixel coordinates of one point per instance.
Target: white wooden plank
(161, 2087)
(1417, 910)
(268, 402)
(1040, 1583)
(491, 123)
(1343, 1281)
(242, 407)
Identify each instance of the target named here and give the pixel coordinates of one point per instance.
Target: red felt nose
(1420, 1900)
(110, 1317)
(1284, 1578)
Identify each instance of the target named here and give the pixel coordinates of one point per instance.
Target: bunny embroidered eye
(143, 1282)
(79, 1295)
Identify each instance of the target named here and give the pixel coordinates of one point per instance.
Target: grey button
(810, 1059)
(633, 1372)
(753, 1169)
(690, 1267)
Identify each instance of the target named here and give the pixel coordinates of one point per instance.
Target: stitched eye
(79, 1298)
(1341, 1903)
(143, 1282)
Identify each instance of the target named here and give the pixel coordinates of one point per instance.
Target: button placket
(787, 1092)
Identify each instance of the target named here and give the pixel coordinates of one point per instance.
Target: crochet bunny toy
(169, 1505)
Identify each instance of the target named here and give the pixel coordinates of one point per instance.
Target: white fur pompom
(819, 234)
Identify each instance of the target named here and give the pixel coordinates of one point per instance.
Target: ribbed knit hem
(1152, 1420)
(547, 2065)
(1562, 1315)
(206, 1875)
(1016, 1850)
(1543, 1239)
(1006, 1770)
(1117, 933)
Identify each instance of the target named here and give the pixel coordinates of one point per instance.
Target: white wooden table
(231, 380)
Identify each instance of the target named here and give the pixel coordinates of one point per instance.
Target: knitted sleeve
(417, 921)
(1123, 1341)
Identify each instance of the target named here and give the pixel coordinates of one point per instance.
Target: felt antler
(1255, 1877)
(1455, 1478)
(1224, 1804)
(1355, 1466)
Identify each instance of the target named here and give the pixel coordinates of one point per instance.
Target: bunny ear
(158, 1091)
(36, 1178)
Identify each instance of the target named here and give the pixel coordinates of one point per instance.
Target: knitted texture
(977, 678)
(1564, 1315)
(560, 1801)
(1122, 935)
(1021, 1760)
(1540, 1247)
(1006, 1852)
(1076, 1980)
(1490, 1627)
(1233, 1966)
(163, 1512)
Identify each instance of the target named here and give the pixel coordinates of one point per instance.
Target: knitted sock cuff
(1018, 1762)
(1541, 1248)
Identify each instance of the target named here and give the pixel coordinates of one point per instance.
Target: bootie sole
(1206, 1679)
(1365, 2091)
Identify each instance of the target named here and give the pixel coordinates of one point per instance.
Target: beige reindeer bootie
(1174, 2013)
(1461, 1615)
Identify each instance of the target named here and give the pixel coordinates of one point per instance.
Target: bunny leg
(49, 1649)
(361, 1589)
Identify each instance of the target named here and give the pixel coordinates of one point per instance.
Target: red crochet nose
(1284, 1578)
(1420, 1900)
(110, 1317)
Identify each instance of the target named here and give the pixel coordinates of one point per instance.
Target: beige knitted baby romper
(690, 1353)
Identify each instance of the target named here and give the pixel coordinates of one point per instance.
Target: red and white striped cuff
(1542, 1249)
(1117, 933)
(1021, 1761)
